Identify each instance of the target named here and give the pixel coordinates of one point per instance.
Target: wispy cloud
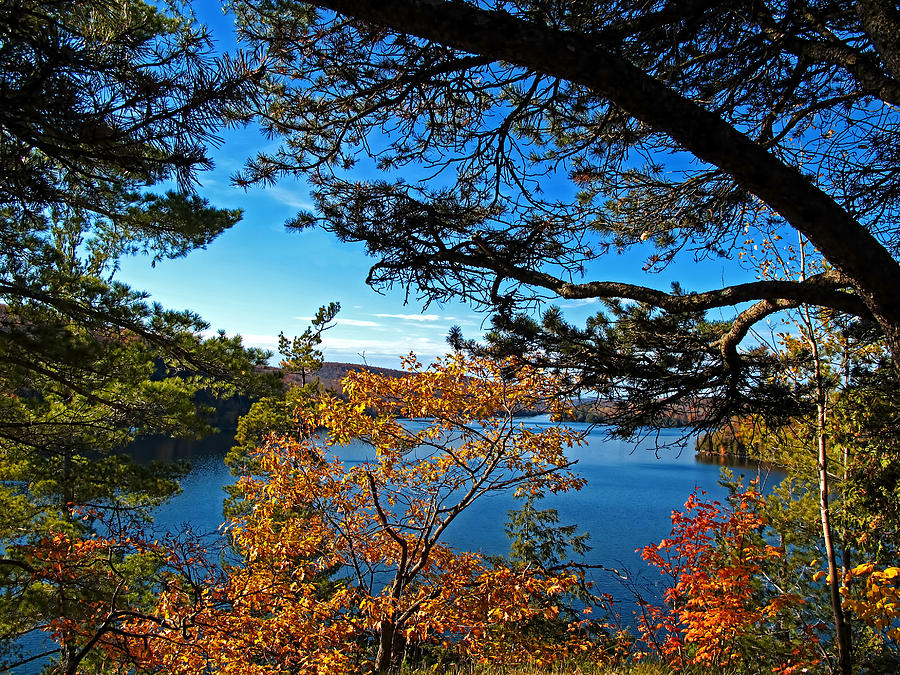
(341, 321)
(247, 338)
(580, 302)
(356, 322)
(383, 351)
(295, 198)
(425, 347)
(414, 317)
(470, 322)
(398, 345)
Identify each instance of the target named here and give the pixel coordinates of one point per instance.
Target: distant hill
(606, 412)
(331, 374)
(227, 411)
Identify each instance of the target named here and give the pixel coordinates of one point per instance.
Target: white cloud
(580, 302)
(294, 198)
(414, 317)
(355, 322)
(341, 321)
(383, 351)
(391, 345)
(424, 347)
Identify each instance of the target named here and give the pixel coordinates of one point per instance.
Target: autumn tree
(833, 509)
(104, 102)
(835, 371)
(872, 594)
(435, 442)
(679, 126)
(440, 134)
(749, 585)
(725, 605)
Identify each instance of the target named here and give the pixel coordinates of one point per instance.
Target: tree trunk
(389, 648)
(841, 627)
(383, 658)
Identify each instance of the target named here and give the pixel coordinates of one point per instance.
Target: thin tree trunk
(841, 628)
(845, 477)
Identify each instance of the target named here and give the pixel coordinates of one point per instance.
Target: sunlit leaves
(716, 560)
(439, 438)
(877, 602)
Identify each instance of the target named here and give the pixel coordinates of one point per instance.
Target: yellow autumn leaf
(864, 568)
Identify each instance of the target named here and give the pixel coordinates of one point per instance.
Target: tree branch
(745, 321)
(821, 289)
(580, 59)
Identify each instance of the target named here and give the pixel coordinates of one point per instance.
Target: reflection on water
(165, 449)
(627, 503)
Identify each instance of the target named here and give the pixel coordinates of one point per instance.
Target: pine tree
(102, 102)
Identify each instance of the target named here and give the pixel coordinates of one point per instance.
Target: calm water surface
(627, 503)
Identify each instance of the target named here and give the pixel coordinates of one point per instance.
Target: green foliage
(867, 423)
(101, 97)
(103, 101)
(537, 539)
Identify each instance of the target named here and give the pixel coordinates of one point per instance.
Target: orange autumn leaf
(714, 559)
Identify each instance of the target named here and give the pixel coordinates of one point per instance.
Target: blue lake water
(632, 489)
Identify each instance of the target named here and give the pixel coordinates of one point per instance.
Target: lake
(627, 503)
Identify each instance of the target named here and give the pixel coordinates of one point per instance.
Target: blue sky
(258, 279)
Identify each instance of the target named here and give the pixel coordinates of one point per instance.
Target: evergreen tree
(102, 102)
(686, 131)
(277, 415)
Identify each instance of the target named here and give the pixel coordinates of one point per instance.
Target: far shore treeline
(329, 376)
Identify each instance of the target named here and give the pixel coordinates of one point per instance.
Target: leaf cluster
(438, 440)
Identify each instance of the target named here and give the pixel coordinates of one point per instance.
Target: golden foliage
(877, 603)
(341, 561)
